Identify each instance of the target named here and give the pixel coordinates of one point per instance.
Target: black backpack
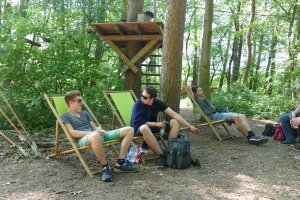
(178, 154)
(269, 130)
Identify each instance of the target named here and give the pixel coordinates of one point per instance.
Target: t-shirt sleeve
(138, 117)
(162, 106)
(65, 118)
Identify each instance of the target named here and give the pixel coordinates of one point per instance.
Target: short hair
(195, 88)
(151, 90)
(71, 96)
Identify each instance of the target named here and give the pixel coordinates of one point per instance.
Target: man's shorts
(153, 129)
(110, 135)
(223, 116)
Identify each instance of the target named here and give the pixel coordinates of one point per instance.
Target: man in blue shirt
(144, 121)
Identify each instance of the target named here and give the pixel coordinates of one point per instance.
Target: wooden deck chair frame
(74, 148)
(118, 115)
(208, 121)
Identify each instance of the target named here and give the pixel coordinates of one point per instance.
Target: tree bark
(172, 53)
(255, 78)
(133, 80)
(206, 48)
(249, 45)
(235, 50)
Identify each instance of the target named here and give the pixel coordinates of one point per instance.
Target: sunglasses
(78, 100)
(145, 97)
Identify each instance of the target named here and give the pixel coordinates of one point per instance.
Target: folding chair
(58, 107)
(121, 103)
(208, 121)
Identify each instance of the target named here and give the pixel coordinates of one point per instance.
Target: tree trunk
(235, 50)
(172, 53)
(133, 80)
(249, 45)
(224, 57)
(206, 48)
(255, 78)
(271, 62)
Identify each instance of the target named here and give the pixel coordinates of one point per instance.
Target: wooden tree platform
(118, 35)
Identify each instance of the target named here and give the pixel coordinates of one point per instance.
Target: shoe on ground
(127, 167)
(297, 157)
(161, 162)
(287, 142)
(297, 147)
(257, 140)
(297, 140)
(106, 174)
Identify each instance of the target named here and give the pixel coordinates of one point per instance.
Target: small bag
(134, 154)
(269, 130)
(178, 154)
(278, 136)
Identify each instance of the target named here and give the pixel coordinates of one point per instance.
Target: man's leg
(241, 123)
(94, 140)
(242, 126)
(150, 139)
(287, 129)
(174, 124)
(97, 148)
(127, 134)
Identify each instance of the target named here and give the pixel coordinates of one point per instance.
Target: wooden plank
(122, 56)
(132, 37)
(119, 30)
(138, 29)
(141, 53)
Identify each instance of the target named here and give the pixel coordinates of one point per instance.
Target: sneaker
(297, 140)
(257, 140)
(297, 147)
(287, 142)
(161, 162)
(126, 167)
(106, 174)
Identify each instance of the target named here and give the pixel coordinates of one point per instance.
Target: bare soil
(231, 169)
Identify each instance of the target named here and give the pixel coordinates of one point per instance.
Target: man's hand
(161, 124)
(295, 122)
(194, 130)
(102, 132)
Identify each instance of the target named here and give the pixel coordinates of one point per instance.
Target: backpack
(278, 136)
(269, 130)
(178, 153)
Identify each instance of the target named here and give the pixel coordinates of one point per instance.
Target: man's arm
(76, 133)
(180, 119)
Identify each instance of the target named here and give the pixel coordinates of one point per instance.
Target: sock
(250, 134)
(121, 161)
(162, 155)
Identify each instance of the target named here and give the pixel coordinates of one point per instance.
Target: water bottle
(162, 132)
(292, 116)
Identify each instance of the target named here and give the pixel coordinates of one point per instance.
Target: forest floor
(231, 169)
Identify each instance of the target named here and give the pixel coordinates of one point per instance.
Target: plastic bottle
(162, 132)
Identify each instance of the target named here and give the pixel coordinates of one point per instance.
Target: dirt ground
(232, 169)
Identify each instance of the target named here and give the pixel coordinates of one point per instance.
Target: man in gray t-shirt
(81, 126)
(240, 120)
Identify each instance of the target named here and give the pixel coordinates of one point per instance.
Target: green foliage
(261, 106)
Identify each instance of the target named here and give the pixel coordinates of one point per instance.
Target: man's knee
(174, 123)
(284, 118)
(128, 130)
(144, 129)
(93, 137)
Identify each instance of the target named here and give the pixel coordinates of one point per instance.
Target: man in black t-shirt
(144, 121)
